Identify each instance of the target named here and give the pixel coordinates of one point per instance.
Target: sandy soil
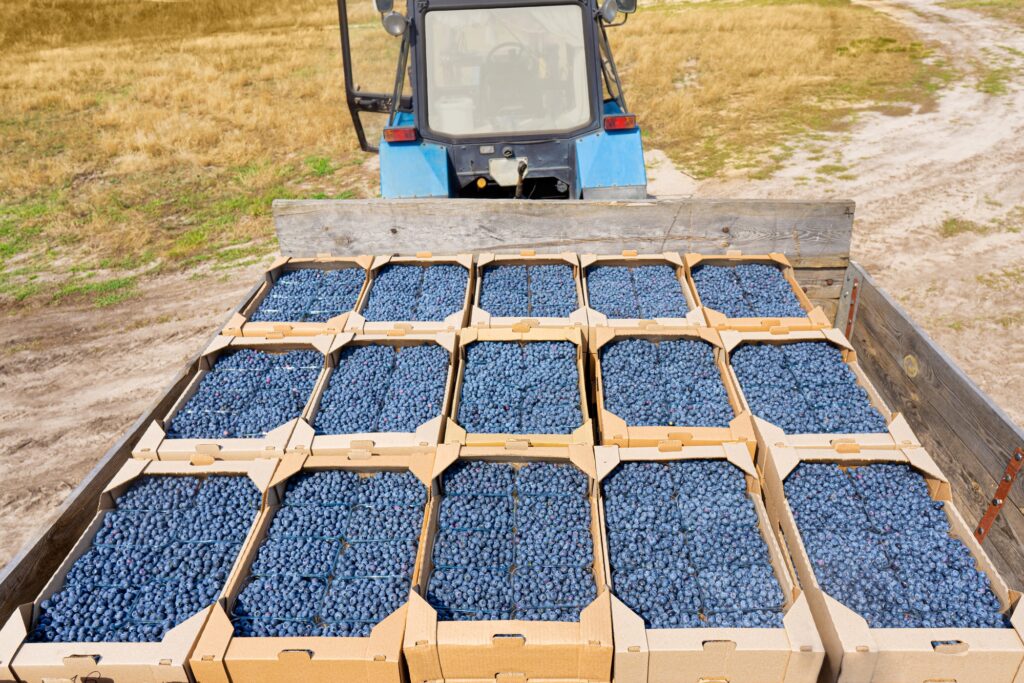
(68, 389)
(963, 159)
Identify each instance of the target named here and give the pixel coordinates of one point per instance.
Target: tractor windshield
(509, 70)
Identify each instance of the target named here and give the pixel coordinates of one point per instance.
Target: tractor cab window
(508, 70)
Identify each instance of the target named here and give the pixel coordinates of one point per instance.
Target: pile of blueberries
(805, 388)
(880, 545)
(685, 548)
(248, 393)
(674, 382)
(383, 388)
(338, 556)
(311, 295)
(542, 291)
(750, 290)
(416, 293)
(161, 555)
(513, 543)
(520, 388)
(645, 292)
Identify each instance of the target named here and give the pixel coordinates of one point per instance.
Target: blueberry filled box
(321, 593)
(900, 589)
(805, 389)
(384, 393)
(513, 576)
(528, 291)
(130, 599)
(750, 293)
(303, 297)
(520, 388)
(665, 385)
(701, 590)
(243, 399)
(422, 293)
(631, 290)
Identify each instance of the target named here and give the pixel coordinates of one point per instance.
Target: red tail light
(400, 134)
(620, 122)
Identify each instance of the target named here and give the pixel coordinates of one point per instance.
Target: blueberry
(311, 295)
(805, 388)
(753, 290)
(670, 383)
(542, 291)
(511, 388)
(684, 546)
(402, 292)
(646, 292)
(248, 393)
(881, 546)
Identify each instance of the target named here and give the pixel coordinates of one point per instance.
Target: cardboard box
(857, 653)
(631, 258)
(221, 657)
(155, 444)
(613, 430)
(240, 324)
(899, 433)
(792, 654)
(481, 318)
(166, 661)
(515, 650)
(814, 320)
(584, 434)
(304, 438)
(454, 322)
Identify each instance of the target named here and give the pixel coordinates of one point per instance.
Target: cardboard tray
(613, 430)
(240, 325)
(454, 322)
(166, 661)
(481, 318)
(631, 258)
(155, 443)
(792, 654)
(304, 438)
(899, 433)
(514, 650)
(857, 653)
(220, 657)
(815, 319)
(584, 434)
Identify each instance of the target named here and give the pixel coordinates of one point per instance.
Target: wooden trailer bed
(969, 436)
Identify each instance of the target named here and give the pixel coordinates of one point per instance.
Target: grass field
(141, 136)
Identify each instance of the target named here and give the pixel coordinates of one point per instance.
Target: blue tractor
(508, 99)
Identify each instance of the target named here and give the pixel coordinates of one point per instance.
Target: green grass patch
(320, 166)
(995, 81)
(103, 293)
(951, 227)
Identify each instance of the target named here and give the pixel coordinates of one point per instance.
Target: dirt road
(909, 174)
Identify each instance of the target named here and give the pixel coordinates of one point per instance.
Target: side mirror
(626, 6)
(383, 6)
(609, 9)
(394, 23)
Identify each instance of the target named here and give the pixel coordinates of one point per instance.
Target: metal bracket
(1002, 491)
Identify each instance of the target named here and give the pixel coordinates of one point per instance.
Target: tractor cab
(507, 100)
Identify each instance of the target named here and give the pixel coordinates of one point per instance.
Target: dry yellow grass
(717, 82)
(139, 135)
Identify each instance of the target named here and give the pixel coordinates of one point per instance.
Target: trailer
(972, 440)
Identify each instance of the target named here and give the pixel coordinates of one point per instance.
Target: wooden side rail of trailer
(970, 437)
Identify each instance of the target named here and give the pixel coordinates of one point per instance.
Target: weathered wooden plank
(29, 570)
(968, 435)
(810, 233)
